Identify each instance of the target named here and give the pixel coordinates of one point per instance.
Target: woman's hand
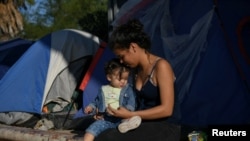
(120, 112)
(98, 115)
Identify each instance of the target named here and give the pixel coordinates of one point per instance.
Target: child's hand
(98, 116)
(88, 110)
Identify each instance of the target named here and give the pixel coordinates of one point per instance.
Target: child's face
(117, 80)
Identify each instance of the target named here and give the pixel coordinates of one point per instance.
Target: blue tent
(48, 70)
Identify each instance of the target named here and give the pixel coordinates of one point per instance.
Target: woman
(154, 86)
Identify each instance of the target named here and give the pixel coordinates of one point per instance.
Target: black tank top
(149, 96)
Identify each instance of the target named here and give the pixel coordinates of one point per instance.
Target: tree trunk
(11, 21)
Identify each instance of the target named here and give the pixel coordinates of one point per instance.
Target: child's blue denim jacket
(127, 99)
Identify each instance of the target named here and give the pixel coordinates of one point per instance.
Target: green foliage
(96, 24)
(34, 31)
(53, 15)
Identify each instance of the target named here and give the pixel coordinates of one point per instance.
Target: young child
(117, 93)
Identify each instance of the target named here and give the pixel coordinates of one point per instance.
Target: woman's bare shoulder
(163, 64)
(164, 69)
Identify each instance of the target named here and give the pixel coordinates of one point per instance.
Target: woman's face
(126, 56)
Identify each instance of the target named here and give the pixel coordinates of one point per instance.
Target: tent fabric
(48, 71)
(198, 38)
(81, 46)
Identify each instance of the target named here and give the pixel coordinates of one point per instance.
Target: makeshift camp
(47, 72)
(206, 42)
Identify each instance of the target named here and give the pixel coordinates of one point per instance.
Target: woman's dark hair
(127, 33)
(114, 64)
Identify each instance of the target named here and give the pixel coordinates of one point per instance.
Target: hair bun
(135, 25)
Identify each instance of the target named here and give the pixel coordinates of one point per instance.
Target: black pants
(147, 131)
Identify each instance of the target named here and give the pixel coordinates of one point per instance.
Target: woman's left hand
(98, 116)
(120, 112)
